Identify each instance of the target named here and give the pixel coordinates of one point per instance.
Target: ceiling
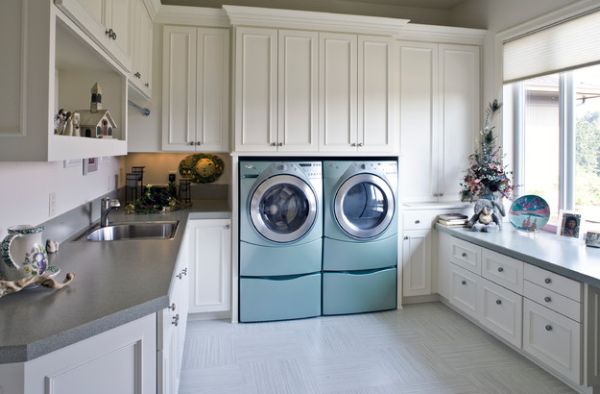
(431, 4)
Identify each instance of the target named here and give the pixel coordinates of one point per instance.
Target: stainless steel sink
(141, 230)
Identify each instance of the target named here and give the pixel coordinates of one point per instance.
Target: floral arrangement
(487, 176)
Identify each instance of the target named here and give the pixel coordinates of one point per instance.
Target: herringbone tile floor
(424, 348)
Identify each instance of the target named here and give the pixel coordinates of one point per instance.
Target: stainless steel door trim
(345, 224)
(257, 220)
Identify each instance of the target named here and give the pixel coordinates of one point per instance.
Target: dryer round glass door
(364, 206)
(283, 208)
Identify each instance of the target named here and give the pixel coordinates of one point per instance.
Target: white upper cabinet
(460, 119)
(338, 92)
(141, 32)
(256, 89)
(376, 83)
(297, 129)
(195, 89)
(439, 118)
(418, 89)
(107, 23)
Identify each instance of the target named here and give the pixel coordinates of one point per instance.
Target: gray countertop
(116, 282)
(565, 256)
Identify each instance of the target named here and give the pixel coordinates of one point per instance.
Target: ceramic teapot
(23, 253)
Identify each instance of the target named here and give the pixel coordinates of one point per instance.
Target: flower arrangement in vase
(487, 177)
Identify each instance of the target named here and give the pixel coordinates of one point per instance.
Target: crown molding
(152, 6)
(195, 16)
(441, 34)
(310, 20)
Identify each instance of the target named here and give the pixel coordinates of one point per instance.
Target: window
(557, 132)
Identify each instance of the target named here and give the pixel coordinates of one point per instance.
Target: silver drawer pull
(548, 327)
(500, 269)
(464, 254)
(175, 320)
(417, 221)
(464, 283)
(547, 281)
(172, 307)
(498, 302)
(547, 299)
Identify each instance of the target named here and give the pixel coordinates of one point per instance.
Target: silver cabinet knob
(464, 283)
(273, 143)
(227, 227)
(548, 327)
(360, 144)
(198, 143)
(353, 144)
(172, 307)
(500, 269)
(498, 302)
(464, 254)
(191, 143)
(147, 85)
(109, 32)
(184, 271)
(280, 144)
(547, 299)
(417, 221)
(138, 75)
(547, 281)
(175, 320)
(405, 238)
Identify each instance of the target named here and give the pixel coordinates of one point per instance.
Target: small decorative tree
(486, 176)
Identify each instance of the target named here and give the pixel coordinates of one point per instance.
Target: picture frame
(90, 165)
(569, 224)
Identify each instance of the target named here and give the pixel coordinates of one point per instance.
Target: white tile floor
(424, 348)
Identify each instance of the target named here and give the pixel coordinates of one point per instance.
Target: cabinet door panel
(119, 22)
(416, 263)
(501, 311)
(338, 84)
(146, 58)
(212, 97)
(256, 89)
(375, 123)
(211, 266)
(298, 91)
(179, 93)
(459, 92)
(418, 86)
(464, 291)
(95, 9)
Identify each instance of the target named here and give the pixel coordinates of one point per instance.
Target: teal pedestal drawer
(350, 256)
(359, 291)
(280, 298)
(258, 260)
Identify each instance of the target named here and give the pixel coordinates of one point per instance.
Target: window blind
(571, 44)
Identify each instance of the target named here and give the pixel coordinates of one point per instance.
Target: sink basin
(141, 230)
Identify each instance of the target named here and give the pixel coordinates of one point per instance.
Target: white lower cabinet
(501, 311)
(120, 360)
(210, 269)
(553, 339)
(464, 290)
(416, 263)
(172, 323)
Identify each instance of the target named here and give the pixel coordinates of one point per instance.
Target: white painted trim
(152, 6)
(310, 20)
(441, 34)
(193, 16)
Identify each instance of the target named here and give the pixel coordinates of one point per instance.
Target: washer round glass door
(364, 206)
(283, 208)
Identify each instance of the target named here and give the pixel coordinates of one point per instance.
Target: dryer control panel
(312, 169)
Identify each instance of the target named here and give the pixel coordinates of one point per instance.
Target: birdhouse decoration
(98, 124)
(96, 99)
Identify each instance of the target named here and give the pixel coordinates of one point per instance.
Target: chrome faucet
(106, 206)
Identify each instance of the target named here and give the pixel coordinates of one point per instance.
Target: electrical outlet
(52, 204)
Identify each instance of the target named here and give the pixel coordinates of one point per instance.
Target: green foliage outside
(587, 165)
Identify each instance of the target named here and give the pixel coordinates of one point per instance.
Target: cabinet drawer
(553, 300)
(501, 311)
(502, 270)
(466, 255)
(418, 220)
(553, 339)
(549, 280)
(464, 290)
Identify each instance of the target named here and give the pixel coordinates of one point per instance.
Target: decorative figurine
(52, 246)
(13, 286)
(487, 216)
(96, 101)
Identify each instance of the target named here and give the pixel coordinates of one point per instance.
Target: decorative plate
(201, 168)
(529, 213)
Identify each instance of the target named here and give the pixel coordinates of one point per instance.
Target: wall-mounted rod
(145, 111)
